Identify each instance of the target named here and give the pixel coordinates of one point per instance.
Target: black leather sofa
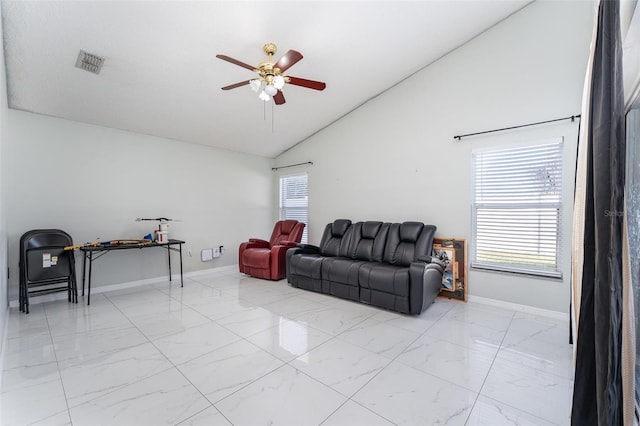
(388, 265)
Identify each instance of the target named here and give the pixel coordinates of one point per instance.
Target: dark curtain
(597, 396)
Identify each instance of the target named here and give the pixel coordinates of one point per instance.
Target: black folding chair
(45, 266)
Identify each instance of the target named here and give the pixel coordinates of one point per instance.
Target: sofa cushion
(341, 270)
(306, 264)
(340, 277)
(385, 278)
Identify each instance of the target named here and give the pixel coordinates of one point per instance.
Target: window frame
(282, 209)
(540, 209)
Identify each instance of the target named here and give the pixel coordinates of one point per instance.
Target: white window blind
(517, 209)
(294, 200)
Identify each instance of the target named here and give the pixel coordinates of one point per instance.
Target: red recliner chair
(266, 259)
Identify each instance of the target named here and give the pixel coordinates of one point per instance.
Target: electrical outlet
(222, 250)
(207, 255)
(216, 251)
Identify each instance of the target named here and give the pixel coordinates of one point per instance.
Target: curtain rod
(291, 165)
(572, 118)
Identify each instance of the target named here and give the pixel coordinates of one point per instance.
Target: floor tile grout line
(288, 363)
(176, 367)
(113, 352)
(490, 368)
(390, 361)
(55, 354)
(149, 341)
(515, 363)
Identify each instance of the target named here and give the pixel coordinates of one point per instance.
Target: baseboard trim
(219, 270)
(564, 316)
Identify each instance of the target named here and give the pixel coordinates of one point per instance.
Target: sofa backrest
(408, 242)
(286, 230)
(368, 241)
(333, 237)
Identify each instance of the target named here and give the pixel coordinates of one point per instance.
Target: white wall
(395, 159)
(93, 182)
(3, 204)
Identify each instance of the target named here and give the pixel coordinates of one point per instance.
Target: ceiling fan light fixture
(278, 82)
(263, 96)
(270, 90)
(255, 85)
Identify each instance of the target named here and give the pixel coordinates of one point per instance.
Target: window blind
(517, 209)
(294, 200)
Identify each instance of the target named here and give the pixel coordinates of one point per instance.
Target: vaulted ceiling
(161, 77)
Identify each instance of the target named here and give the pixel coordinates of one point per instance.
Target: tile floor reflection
(230, 349)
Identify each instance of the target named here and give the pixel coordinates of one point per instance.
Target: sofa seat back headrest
(410, 231)
(287, 230)
(287, 226)
(368, 241)
(335, 237)
(408, 242)
(339, 227)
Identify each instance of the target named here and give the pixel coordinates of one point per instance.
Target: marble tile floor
(230, 349)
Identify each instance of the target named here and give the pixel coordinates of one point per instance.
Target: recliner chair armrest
(259, 241)
(288, 243)
(254, 245)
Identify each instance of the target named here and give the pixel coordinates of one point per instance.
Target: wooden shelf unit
(454, 282)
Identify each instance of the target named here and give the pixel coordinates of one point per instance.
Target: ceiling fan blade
(233, 86)
(236, 62)
(278, 98)
(288, 60)
(310, 84)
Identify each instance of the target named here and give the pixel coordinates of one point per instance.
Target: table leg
(89, 285)
(181, 281)
(84, 268)
(169, 256)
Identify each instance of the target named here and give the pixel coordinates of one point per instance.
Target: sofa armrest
(298, 249)
(278, 261)
(305, 249)
(262, 243)
(425, 281)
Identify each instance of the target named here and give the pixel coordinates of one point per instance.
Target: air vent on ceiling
(89, 62)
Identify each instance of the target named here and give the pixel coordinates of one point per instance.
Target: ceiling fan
(271, 79)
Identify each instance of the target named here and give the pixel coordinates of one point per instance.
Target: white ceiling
(161, 76)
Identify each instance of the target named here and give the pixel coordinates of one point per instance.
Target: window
(517, 209)
(294, 200)
(632, 207)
